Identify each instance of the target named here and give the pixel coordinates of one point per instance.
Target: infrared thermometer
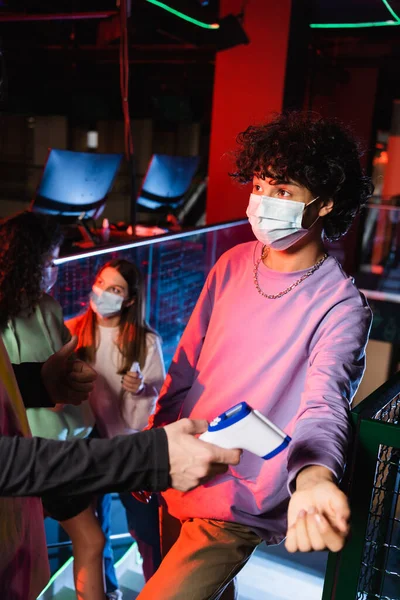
(247, 429)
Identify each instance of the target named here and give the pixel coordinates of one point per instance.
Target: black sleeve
(35, 466)
(31, 386)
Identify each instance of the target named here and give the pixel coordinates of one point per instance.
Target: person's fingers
(132, 382)
(192, 461)
(78, 386)
(315, 537)
(80, 371)
(133, 376)
(212, 471)
(198, 477)
(74, 386)
(333, 539)
(217, 454)
(303, 540)
(225, 456)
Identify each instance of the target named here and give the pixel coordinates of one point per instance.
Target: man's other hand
(318, 514)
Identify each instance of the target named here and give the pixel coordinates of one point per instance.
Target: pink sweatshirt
(298, 359)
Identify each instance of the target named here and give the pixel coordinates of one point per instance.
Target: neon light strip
(125, 556)
(361, 25)
(148, 241)
(354, 25)
(183, 16)
(56, 574)
(390, 9)
(390, 23)
(69, 561)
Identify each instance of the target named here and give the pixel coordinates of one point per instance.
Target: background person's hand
(318, 513)
(192, 461)
(132, 382)
(67, 380)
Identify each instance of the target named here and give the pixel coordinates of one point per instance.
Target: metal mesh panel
(180, 272)
(380, 570)
(390, 413)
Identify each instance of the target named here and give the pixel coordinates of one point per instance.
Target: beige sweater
(116, 411)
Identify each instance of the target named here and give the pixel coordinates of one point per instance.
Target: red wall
(248, 87)
(351, 100)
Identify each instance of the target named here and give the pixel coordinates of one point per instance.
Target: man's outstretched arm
(150, 460)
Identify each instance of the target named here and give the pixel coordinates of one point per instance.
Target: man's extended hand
(67, 380)
(193, 462)
(318, 513)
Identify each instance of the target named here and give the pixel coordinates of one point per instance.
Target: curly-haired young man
(281, 326)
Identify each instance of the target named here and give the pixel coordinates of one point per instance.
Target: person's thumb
(68, 349)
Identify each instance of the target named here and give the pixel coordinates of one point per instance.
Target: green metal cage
(368, 568)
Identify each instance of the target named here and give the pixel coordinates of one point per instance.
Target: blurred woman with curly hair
(32, 329)
(28, 245)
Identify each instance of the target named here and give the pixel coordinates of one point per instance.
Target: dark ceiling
(71, 66)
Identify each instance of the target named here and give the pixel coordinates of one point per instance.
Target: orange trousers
(202, 558)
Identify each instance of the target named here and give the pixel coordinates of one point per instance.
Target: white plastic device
(135, 368)
(247, 429)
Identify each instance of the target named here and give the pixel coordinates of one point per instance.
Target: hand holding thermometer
(245, 428)
(135, 368)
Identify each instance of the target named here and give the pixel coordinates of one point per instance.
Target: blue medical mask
(277, 223)
(49, 277)
(105, 304)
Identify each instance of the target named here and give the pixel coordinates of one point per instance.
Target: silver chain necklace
(290, 288)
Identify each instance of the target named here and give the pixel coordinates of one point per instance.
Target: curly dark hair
(320, 154)
(26, 240)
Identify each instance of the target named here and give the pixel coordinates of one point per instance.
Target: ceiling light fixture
(353, 25)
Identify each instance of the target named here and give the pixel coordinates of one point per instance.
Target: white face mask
(277, 223)
(105, 304)
(49, 278)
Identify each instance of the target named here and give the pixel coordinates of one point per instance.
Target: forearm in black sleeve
(35, 466)
(31, 386)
